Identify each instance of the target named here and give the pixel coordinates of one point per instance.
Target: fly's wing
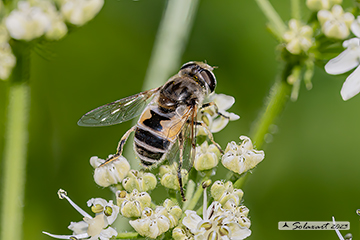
(119, 111)
(188, 144)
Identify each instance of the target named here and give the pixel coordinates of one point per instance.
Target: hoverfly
(168, 116)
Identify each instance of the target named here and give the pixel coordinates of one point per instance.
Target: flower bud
(152, 222)
(179, 234)
(224, 192)
(27, 22)
(168, 175)
(335, 24)
(109, 173)
(316, 5)
(79, 12)
(174, 212)
(207, 156)
(131, 205)
(299, 37)
(7, 60)
(139, 180)
(241, 158)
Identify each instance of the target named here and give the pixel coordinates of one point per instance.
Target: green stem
(15, 150)
(279, 96)
(276, 23)
(197, 195)
(295, 9)
(169, 46)
(127, 235)
(190, 188)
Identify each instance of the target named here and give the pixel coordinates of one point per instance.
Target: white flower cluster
(32, 19)
(216, 222)
(210, 116)
(335, 23)
(347, 60)
(338, 25)
(243, 157)
(298, 38)
(225, 219)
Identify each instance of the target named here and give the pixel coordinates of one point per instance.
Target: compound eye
(209, 78)
(188, 65)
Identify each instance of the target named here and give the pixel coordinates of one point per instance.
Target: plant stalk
(274, 106)
(15, 149)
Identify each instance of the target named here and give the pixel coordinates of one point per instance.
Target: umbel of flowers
(223, 215)
(38, 21)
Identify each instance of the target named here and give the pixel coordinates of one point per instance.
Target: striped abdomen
(155, 133)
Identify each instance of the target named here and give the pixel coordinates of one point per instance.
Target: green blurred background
(311, 169)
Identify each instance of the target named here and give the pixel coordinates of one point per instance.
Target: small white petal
(219, 124)
(233, 116)
(79, 236)
(191, 220)
(351, 86)
(78, 227)
(355, 27)
(238, 232)
(95, 201)
(108, 233)
(223, 102)
(346, 61)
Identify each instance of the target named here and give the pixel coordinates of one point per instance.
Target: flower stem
(15, 150)
(127, 235)
(190, 189)
(279, 96)
(196, 196)
(170, 43)
(295, 9)
(276, 23)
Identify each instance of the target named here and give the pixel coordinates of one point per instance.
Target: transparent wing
(119, 111)
(188, 146)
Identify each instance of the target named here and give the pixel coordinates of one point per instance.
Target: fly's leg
(181, 155)
(120, 146)
(210, 135)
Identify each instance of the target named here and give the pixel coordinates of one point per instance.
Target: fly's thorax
(180, 91)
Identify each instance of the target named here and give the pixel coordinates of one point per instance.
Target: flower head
(152, 222)
(335, 23)
(298, 38)
(110, 173)
(214, 121)
(216, 223)
(131, 205)
(79, 12)
(316, 5)
(207, 156)
(92, 228)
(142, 181)
(224, 192)
(243, 157)
(169, 178)
(27, 22)
(7, 60)
(174, 212)
(346, 61)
